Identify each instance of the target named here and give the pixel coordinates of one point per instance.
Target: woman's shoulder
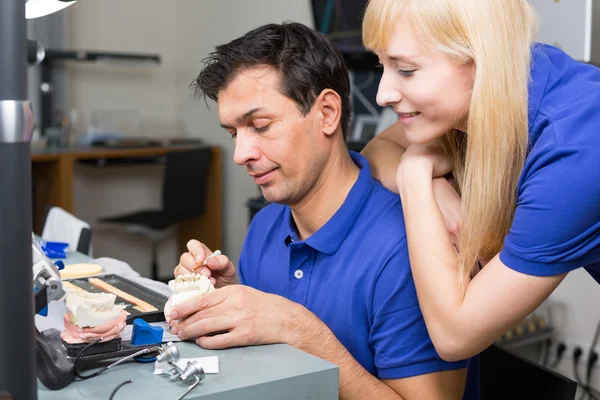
(564, 100)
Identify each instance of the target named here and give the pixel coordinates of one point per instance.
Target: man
(326, 268)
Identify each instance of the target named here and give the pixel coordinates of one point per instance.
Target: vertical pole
(17, 341)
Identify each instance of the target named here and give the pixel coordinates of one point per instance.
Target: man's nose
(245, 148)
(389, 92)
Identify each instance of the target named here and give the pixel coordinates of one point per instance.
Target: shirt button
(299, 274)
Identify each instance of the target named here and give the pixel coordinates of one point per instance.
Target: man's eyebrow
(245, 116)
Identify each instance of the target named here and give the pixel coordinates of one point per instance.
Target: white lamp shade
(39, 8)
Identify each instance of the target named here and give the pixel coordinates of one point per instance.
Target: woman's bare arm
(460, 326)
(384, 152)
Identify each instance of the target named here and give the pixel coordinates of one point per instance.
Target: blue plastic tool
(59, 265)
(145, 334)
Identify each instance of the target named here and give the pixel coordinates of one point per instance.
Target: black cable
(549, 341)
(592, 356)
(546, 346)
(576, 356)
(592, 359)
(587, 390)
(560, 350)
(132, 356)
(590, 391)
(75, 369)
(119, 386)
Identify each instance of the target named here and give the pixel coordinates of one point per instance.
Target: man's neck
(328, 194)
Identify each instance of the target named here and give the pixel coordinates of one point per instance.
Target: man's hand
(243, 316)
(219, 269)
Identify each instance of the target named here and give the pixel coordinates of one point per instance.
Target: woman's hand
(428, 162)
(422, 161)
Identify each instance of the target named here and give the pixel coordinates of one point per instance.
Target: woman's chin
(419, 136)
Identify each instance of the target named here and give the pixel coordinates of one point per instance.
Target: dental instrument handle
(216, 253)
(129, 357)
(192, 386)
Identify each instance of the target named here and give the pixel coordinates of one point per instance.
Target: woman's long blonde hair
(497, 36)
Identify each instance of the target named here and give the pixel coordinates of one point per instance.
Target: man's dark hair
(305, 59)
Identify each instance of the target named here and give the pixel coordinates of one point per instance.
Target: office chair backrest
(508, 376)
(185, 183)
(61, 226)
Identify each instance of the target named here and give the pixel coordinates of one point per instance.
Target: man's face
(277, 144)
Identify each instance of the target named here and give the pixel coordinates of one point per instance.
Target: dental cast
(184, 287)
(91, 309)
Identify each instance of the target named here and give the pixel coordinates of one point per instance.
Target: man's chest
(323, 283)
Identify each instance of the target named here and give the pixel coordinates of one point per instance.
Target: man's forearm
(355, 382)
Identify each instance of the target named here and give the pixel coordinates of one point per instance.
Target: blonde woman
(518, 123)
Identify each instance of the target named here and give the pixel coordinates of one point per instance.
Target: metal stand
(17, 343)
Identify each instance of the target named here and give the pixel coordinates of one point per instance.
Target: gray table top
(282, 371)
(266, 372)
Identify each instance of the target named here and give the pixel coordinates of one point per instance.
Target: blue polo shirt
(353, 274)
(556, 227)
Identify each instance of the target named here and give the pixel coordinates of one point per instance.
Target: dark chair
(183, 197)
(62, 226)
(507, 376)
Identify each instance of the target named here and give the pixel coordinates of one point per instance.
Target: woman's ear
(330, 107)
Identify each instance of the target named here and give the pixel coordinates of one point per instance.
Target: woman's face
(429, 92)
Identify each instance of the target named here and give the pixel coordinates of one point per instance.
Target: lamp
(39, 8)
(17, 340)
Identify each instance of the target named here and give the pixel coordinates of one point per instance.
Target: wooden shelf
(52, 173)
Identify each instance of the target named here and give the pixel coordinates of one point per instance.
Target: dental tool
(216, 253)
(192, 372)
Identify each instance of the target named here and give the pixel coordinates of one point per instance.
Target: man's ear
(329, 105)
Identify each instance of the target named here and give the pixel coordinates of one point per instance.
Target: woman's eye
(406, 73)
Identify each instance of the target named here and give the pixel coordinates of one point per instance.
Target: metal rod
(17, 340)
(190, 388)
(129, 357)
(13, 50)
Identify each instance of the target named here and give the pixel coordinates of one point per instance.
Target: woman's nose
(388, 93)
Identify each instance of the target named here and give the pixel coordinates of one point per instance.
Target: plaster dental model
(91, 316)
(184, 287)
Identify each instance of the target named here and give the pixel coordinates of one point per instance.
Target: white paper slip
(209, 364)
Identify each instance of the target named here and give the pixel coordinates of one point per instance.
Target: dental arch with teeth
(91, 309)
(184, 287)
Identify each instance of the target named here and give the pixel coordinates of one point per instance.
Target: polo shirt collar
(330, 236)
